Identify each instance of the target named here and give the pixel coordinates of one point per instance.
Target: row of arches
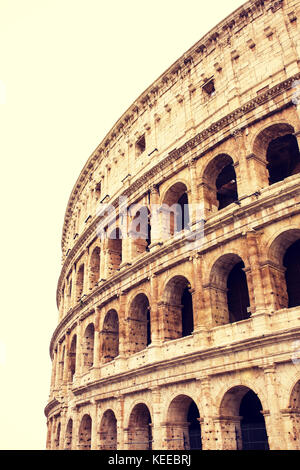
(277, 146)
(241, 420)
(229, 298)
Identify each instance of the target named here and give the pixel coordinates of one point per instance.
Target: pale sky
(68, 70)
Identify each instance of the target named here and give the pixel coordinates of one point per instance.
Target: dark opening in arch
(283, 158)
(237, 294)
(291, 261)
(254, 435)
(226, 186)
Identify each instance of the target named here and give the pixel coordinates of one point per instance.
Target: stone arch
(140, 231)
(68, 436)
(114, 251)
(108, 431)
(140, 428)
(94, 273)
(57, 436)
(79, 282)
(139, 323)
(88, 347)
(178, 308)
(110, 336)
(243, 425)
(229, 295)
(183, 424)
(219, 183)
(277, 148)
(85, 432)
(283, 265)
(174, 209)
(72, 358)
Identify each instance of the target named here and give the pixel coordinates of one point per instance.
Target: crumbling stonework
(187, 336)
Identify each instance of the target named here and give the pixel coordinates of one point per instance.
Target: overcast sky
(68, 70)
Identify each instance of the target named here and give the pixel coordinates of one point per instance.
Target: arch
(243, 423)
(140, 231)
(85, 432)
(183, 429)
(220, 183)
(108, 431)
(284, 268)
(72, 358)
(229, 290)
(139, 323)
(79, 282)
(277, 147)
(94, 268)
(114, 251)
(110, 336)
(68, 437)
(88, 347)
(57, 436)
(175, 210)
(140, 428)
(178, 308)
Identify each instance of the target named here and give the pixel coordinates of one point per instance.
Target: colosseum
(179, 295)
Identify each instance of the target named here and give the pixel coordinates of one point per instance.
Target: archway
(175, 210)
(140, 232)
(79, 282)
(110, 336)
(140, 428)
(184, 430)
(72, 358)
(94, 267)
(229, 296)
(85, 433)
(139, 324)
(114, 251)
(108, 431)
(88, 347)
(243, 424)
(68, 438)
(178, 308)
(220, 183)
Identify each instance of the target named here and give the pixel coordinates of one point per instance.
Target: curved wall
(152, 334)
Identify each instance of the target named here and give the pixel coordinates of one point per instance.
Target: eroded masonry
(184, 332)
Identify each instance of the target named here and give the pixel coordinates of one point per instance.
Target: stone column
(95, 436)
(240, 165)
(201, 321)
(157, 437)
(155, 218)
(208, 435)
(67, 357)
(53, 378)
(228, 432)
(122, 325)
(274, 426)
(57, 381)
(257, 168)
(290, 419)
(120, 423)
(96, 360)
(79, 350)
(156, 321)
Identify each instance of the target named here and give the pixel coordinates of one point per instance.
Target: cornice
(219, 36)
(145, 181)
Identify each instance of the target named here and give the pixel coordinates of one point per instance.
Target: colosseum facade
(183, 332)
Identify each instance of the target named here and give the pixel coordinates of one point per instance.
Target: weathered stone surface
(160, 337)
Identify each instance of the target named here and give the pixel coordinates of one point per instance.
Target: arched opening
(110, 336)
(283, 158)
(140, 231)
(72, 358)
(237, 294)
(175, 210)
(220, 183)
(57, 436)
(108, 431)
(178, 309)
(243, 424)
(139, 321)
(114, 251)
(184, 430)
(88, 347)
(254, 435)
(79, 282)
(85, 433)
(283, 269)
(69, 431)
(94, 267)
(228, 290)
(277, 155)
(140, 428)
(291, 262)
